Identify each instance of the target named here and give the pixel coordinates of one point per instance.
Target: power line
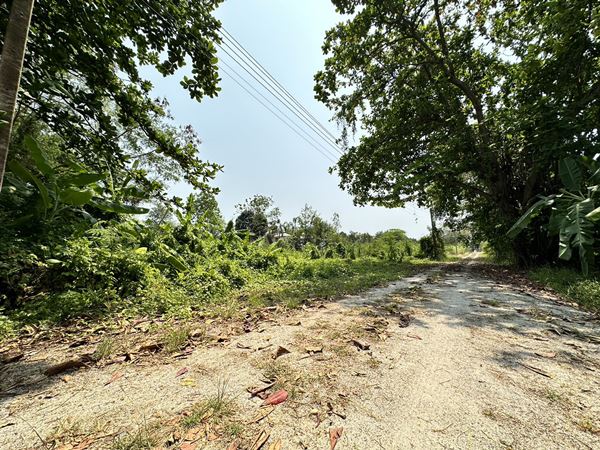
(260, 67)
(239, 77)
(257, 77)
(290, 121)
(277, 95)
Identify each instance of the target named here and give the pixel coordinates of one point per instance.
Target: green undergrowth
(571, 284)
(223, 290)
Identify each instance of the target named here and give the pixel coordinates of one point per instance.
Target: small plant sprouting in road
(145, 438)
(214, 409)
(176, 338)
(105, 348)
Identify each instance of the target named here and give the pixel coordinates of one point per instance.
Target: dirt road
(448, 358)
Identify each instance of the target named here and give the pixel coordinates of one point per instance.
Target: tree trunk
(11, 65)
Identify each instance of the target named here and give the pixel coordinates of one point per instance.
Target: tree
(82, 76)
(258, 215)
(467, 105)
(11, 65)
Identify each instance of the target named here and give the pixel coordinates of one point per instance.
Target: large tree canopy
(467, 105)
(82, 76)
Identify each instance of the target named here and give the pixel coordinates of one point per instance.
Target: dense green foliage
(81, 80)
(92, 152)
(467, 105)
(124, 266)
(574, 211)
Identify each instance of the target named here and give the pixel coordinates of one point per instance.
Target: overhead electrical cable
(285, 98)
(314, 143)
(277, 115)
(228, 36)
(277, 96)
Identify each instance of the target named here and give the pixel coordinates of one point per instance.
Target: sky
(260, 154)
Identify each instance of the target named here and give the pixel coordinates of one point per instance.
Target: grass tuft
(571, 284)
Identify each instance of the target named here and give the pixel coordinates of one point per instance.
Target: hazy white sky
(259, 153)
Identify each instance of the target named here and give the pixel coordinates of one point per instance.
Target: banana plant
(574, 210)
(56, 188)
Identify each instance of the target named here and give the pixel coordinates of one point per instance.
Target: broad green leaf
(526, 218)
(38, 156)
(564, 247)
(21, 171)
(570, 174)
(594, 215)
(119, 208)
(52, 261)
(76, 197)
(82, 179)
(177, 262)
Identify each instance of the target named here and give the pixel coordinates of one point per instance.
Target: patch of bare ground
(451, 358)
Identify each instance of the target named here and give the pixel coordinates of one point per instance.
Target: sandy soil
(449, 359)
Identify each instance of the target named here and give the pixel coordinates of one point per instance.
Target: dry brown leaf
(280, 352)
(276, 398)
(181, 371)
(276, 445)
(414, 336)
(115, 376)
(334, 436)
(314, 349)
(193, 434)
(260, 440)
(261, 414)
(360, 344)
(234, 445)
(254, 391)
(188, 446)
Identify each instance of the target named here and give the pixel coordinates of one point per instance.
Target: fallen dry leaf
(334, 435)
(261, 414)
(188, 446)
(254, 391)
(193, 434)
(280, 352)
(115, 376)
(276, 398)
(314, 349)
(181, 371)
(260, 440)
(234, 445)
(67, 365)
(276, 445)
(414, 336)
(360, 344)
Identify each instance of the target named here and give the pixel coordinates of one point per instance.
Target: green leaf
(53, 261)
(570, 174)
(76, 197)
(119, 208)
(21, 171)
(177, 262)
(82, 179)
(38, 156)
(594, 215)
(564, 246)
(526, 218)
